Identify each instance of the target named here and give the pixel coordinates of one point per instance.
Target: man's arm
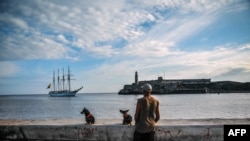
(157, 113)
(137, 111)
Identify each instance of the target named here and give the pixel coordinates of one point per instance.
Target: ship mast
(58, 79)
(63, 79)
(69, 77)
(54, 81)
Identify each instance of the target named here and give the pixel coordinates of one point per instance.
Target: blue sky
(104, 42)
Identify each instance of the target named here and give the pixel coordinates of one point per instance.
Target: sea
(107, 106)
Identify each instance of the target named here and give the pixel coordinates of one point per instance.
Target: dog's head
(124, 111)
(85, 111)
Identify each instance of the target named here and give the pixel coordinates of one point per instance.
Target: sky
(104, 42)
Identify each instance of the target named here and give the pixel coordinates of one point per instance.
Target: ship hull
(62, 94)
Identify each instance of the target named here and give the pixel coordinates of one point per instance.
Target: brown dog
(127, 119)
(89, 118)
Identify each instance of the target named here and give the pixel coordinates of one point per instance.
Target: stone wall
(109, 132)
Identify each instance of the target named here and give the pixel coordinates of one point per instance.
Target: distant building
(171, 86)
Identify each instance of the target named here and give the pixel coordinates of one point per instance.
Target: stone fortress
(185, 86)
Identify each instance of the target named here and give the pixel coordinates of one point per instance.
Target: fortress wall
(109, 132)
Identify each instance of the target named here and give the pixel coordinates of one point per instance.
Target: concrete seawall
(167, 130)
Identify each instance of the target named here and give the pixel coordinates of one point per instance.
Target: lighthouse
(136, 77)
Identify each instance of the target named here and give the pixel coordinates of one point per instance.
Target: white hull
(65, 93)
(62, 94)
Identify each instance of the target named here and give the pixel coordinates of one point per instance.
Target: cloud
(8, 69)
(90, 22)
(86, 25)
(21, 47)
(118, 38)
(104, 51)
(149, 49)
(217, 64)
(62, 38)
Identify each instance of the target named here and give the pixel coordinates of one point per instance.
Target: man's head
(147, 88)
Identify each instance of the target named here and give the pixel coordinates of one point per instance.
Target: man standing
(146, 115)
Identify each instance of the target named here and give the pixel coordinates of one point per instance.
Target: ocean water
(107, 106)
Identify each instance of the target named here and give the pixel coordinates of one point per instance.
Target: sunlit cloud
(149, 49)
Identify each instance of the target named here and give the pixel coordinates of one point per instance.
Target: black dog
(89, 118)
(127, 119)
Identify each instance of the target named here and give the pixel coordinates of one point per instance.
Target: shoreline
(166, 122)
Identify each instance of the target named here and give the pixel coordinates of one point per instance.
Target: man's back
(147, 113)
(146, 121)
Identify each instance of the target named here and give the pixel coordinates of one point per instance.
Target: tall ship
(62, 87)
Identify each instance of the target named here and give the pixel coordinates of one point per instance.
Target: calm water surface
(106, 106)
